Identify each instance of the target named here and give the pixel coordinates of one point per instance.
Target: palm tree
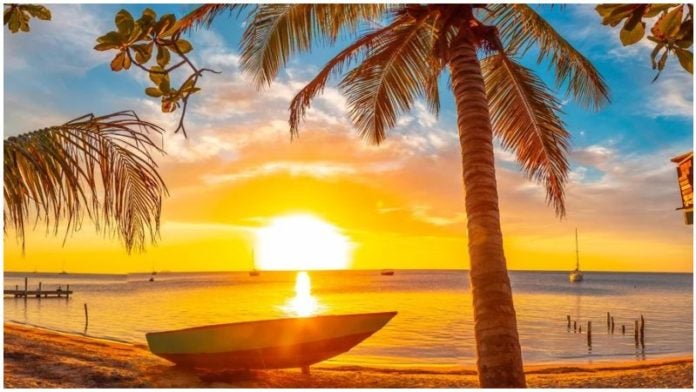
(98, 166)
(401, 61)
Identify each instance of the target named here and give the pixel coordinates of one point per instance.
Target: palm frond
(206, 14)
(391, 77)
(525, 116)
(302, 101)
(520, 28)
(277, 31)
(101, 167)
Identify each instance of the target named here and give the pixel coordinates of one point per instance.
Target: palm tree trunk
(497, 343)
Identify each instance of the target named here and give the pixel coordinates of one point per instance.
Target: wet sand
(39, 358)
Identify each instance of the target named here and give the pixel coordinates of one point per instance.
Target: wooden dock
(38, 293)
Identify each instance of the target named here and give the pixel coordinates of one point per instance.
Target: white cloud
(671, 95)
(63, 45)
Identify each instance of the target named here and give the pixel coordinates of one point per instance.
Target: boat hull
(268, 344)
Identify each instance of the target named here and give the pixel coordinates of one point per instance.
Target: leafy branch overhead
(672, 32)
(17, 16)
(102, 167)
(136, 41)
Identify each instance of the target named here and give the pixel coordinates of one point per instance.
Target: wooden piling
(568, 317)
(642, 331)
(86, 318)
(580, 329)
(623, 329)
(635, 332)
(612, 325)
(575, 326)
(67, 292)
(608, 321)
(38, 294)
(16, 290)
(589, 334)
(26, 284)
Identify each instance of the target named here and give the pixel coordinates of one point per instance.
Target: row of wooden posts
(26, 293)
(638, 329)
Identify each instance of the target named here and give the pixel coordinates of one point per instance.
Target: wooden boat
(387, 272)
(267, 344)
(576, 276)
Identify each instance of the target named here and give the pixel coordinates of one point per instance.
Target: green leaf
(615, 13)
(684, 44)
(105, 46)
(124, 22)
(183, 46)
(149, 13)
(136, 34)
(143, 52)
(157, 75)
(164, 86)
(117, 63)
(655, 9)
(654, 54)
(663, 60)
(686, 59)
(668, 24)
(126, 61)
(630, 37)
(163, 56)
(111, 37)
(153, 92)
(165, 22)
(13, 22)
(7, 14)
(38, 11)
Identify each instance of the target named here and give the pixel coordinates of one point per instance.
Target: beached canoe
(267, 344)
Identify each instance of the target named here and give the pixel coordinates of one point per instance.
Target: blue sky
(621, 175)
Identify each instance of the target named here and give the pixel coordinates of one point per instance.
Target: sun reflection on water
(303, 304)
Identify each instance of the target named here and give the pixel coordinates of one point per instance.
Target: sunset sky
(399, 204)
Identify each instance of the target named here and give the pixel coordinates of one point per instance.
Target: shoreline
(600, 361)
(71, 360)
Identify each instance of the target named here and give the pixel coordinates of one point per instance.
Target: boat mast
(577, 251)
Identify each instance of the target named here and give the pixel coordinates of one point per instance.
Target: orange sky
(400, 204)
(398, 207)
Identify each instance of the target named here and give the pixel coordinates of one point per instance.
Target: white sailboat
(576, 276)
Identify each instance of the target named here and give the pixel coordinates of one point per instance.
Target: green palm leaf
(525, 116)
(100, 167)
(277, 31)
(521, 28)
(391, 77)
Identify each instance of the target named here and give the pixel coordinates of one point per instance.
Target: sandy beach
(71, 361)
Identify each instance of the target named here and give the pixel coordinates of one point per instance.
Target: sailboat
(254, 271)
(576, 276)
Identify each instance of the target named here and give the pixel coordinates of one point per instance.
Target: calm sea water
(433, 327)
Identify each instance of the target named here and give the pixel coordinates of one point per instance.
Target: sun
(299, 243)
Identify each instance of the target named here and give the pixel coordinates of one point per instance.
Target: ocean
(434, 326)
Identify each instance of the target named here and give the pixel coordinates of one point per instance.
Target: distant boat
(267, 344)
(387, 272)
(254, 271)
(63, 273)
(576, 276)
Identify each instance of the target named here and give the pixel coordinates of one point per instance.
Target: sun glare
(301, 243)
(303, 303)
